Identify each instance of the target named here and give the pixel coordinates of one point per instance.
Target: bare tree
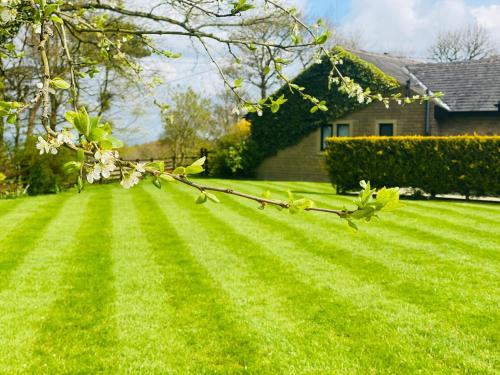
(256, 69)
(470, 43)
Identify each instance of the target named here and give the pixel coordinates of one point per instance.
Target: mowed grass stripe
(146, 330)
(214, 336)
(429, 259)
(7, 206)
(435, 290)
(29, 230)
(33, 287)
(79, 333)
(471, 250)
(435, 329)
(284, 268)
(23, 211)
(269, 297)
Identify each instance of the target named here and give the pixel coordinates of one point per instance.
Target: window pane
(342, 130)
(326, 132)
(386, 130)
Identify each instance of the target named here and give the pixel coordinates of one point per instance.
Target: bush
(231, 156)
(468, 165)
(44, 174)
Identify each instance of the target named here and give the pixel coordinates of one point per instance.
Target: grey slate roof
(389, 64)
(466, 86)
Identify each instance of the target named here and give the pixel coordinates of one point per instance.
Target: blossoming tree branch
(110, 27)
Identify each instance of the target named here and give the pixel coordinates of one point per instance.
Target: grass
(145, 281)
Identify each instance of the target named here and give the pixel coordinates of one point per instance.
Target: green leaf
(212, 197)
(388, 199)
(156, 183)
(157, 166)
(167, 178)
(79, 184)
(180, 171)
(241, 6)
(115, 142)
(314, 109)
(60, 83)
(97, 134)
(12, 119)
(50, 8)
(275, 107)
(56, 19)
(194, 169)
(322, 38)
(72, 167)
(80, 121)
(202, 198)
(238, 83)
(352, 225)
(200, 161)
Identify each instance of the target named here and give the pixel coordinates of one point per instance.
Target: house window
(386, 129)
(343, 130)
(326, 132)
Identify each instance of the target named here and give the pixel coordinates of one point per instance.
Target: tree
(469, 43)
(187, 123)
(256, 69)
(207, 23)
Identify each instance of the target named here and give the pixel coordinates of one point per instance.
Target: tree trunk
(54, 106)
(263, 88)
(17, 137)
(32, 116)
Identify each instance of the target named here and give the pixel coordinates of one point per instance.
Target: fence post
(173, 162)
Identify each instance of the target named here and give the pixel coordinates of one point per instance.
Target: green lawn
(145, 281)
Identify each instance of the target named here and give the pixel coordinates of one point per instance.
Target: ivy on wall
(272, 132)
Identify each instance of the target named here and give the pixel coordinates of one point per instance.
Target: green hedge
(468, 165)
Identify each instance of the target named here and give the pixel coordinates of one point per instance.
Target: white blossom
(66, 137)
(105, 164)
(47, 147)
(106, 169)
(94, 174)
(140, 167)
(130, 180)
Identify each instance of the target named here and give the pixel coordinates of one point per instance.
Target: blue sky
(332, 8)
(404, 27)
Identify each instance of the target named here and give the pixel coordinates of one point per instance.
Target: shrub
(231, 156)
(44, 174)
(468, 165)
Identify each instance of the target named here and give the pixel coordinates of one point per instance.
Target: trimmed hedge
(468, 165)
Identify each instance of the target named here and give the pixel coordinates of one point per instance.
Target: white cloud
(410, 26)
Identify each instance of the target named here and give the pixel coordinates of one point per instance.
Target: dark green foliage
(231, 158)
(44, 173)
(469, 165)
(275, 131)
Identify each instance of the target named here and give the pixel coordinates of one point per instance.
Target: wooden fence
(171, 163)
